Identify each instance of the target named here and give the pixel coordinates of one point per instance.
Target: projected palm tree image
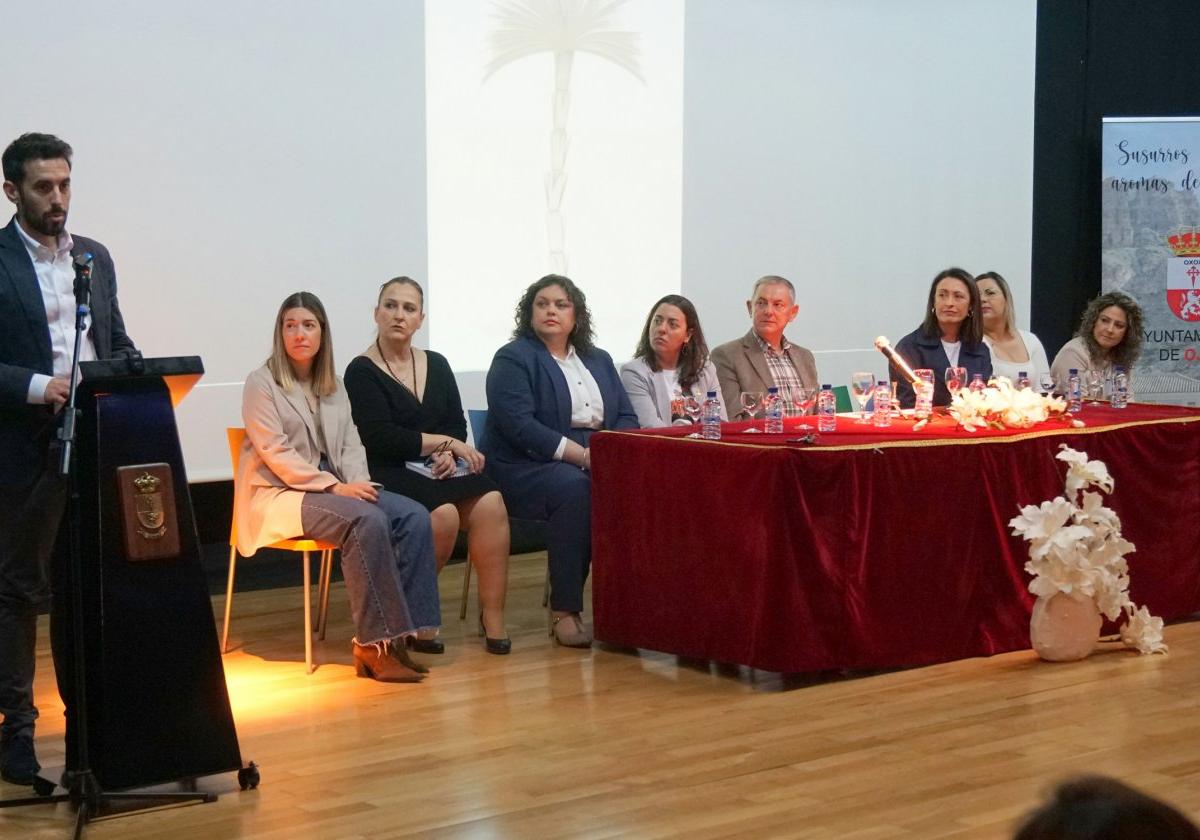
(561, 27)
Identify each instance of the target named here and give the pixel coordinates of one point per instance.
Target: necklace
(412, 357)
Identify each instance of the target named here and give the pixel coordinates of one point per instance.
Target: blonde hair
(324, 380)
(1010, 317)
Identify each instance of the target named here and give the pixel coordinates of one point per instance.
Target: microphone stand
(83, 789)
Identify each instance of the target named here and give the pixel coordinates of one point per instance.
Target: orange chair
(236, 436)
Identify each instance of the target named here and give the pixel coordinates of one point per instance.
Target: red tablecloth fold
(868, 550)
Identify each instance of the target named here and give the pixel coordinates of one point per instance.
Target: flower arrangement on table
(1076, 549)
(1001, 405)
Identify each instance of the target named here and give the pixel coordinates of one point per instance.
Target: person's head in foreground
(1100, 808)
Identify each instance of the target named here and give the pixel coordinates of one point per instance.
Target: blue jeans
(387, 561)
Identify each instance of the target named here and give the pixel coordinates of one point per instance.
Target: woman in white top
(1014, 351)
(671, 359)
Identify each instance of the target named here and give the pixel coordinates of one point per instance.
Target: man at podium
(37, 341)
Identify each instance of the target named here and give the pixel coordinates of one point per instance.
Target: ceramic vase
(1064, 627)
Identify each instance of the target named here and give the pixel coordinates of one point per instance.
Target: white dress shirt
(587, 404)
(56, 280)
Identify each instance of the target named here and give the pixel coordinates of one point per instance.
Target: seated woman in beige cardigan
(303, 472)
(1109, 334)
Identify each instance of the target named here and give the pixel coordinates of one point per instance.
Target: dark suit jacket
(25, 348)
(529, 406)
(921, 351)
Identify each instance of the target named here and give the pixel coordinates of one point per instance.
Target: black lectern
(156, 703)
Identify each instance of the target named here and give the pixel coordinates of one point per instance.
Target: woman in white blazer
(671, 359)
(303, 472)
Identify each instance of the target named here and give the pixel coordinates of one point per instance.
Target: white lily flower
(1037, 522)
(1143, 631)
(1082, 472)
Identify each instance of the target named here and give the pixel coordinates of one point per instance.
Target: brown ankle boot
(376, 661)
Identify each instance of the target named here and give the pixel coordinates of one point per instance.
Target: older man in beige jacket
(763, 357)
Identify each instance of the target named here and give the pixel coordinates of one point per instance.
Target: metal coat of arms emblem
(149, 507)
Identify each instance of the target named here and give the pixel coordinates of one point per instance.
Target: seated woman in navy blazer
(548, 390)
(950, 336)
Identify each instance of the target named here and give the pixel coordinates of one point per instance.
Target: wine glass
(862, 385)
(956, 377)
(1046, 383)
(750, 401)
(803, 398)
(1095, 385)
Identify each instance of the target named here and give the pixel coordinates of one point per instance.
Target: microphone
(83, 276)
(885, 347)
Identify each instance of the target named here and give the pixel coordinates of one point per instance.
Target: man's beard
(44, 224)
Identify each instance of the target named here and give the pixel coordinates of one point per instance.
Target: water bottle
(710, 417)
(1074, 393)
(1023, 381)
(773, 408)
(977, 383)
(1120, 388)
(923, 393)
(826, 410)
(883, 404)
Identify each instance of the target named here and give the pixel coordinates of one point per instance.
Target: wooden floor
(551, 742)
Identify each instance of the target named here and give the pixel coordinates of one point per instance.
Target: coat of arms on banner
(1183, 274)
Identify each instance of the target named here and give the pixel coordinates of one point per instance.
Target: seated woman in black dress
(407, 408)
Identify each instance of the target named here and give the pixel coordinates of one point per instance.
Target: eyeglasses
(444, 446)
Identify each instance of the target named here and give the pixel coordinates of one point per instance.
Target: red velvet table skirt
(869, 548)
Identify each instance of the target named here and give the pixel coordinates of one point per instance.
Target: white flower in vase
(1076, 549)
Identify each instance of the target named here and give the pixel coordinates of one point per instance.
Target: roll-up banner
(1150, 245)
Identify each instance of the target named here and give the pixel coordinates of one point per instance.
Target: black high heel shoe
(434, 645)
(500, 647)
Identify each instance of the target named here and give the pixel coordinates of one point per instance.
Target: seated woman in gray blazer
(671, 360)
(302, 472)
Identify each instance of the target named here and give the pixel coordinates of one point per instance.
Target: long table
(870, 548)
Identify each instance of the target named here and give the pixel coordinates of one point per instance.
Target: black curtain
(1095, 59)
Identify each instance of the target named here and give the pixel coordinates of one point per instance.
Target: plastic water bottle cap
(1022, 374)
(1073, 371)
(826, 388)
(772, 390)
(712, 395)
